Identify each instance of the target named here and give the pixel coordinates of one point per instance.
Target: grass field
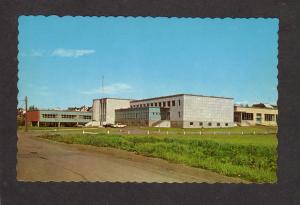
(250, 129)
(251, 157)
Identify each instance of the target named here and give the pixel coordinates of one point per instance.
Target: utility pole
(26, 116)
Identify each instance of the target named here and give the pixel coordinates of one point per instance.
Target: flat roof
(139, 108)
(251, 107)
(177, 95)
(61, 111)
(113, 99)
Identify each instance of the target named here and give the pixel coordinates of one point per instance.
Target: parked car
(108, 125)
(119, 125)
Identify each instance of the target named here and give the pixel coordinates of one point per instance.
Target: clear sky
(62, 59)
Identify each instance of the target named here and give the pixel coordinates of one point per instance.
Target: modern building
(181, 110)
(58, 117)
(257, 114)
(104, 109)
(192, 111)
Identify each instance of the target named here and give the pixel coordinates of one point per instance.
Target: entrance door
(168, 115)
(258, 118)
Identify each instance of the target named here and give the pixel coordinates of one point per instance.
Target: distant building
(58, 117)
(82, 108)
(257, 114)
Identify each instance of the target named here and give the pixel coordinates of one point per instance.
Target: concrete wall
(112, 105)
(195, 111)
(96, 110)
(104, 109)
(202, 111)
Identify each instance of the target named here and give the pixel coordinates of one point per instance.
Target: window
(68, 116)
(209, 124)
(169, 103)
(49, 115)
(200, 123)
(226, 124)
(173, 103)
(179, 102)
(159, 104)
(191, 123)
(144, 105)
(179, 114)
(247, 116)
(151, 104)
(86, 117)
(155, 104)
(218, 124)
(164, 104)
(269, 117)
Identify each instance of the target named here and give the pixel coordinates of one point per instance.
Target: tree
(32, 108)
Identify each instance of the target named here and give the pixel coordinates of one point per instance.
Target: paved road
(43, 160)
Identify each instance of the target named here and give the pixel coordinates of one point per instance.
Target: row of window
(49, 115)
(268, 117)
(158, 104)
(209, 124)
(66, 116)
(132, 115)
(85, 117)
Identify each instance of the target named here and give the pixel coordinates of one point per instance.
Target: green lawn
(251, 129)
(251, 157)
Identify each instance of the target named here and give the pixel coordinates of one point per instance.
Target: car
(108, 125)
(119, 125)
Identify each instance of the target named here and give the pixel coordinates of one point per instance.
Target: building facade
(259, 114)
(104, 109)
(58, 117)
(192, 111)
(142, 116)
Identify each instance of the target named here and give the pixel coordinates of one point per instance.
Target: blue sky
(62, 59)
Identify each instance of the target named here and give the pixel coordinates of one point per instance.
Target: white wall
(108, 108)
(96, 114)
(112, 105)
(208, 109)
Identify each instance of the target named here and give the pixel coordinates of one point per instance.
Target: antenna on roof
(102, 86)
